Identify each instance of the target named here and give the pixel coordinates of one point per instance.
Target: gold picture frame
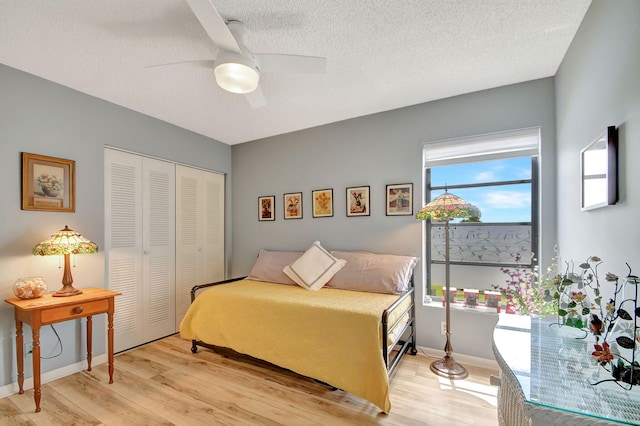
(48, 183)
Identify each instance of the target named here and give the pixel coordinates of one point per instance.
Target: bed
(337, 334)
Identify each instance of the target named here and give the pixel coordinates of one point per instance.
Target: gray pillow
(270, 264)
(372, 272)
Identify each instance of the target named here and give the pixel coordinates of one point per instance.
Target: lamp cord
(59, 343)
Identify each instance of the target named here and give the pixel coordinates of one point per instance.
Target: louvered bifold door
(123, 243)
(213, 244)
(158, 259)
(188, 236)
(199, 232)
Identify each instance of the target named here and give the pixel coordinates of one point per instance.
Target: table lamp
(443, 209)
(65, 242)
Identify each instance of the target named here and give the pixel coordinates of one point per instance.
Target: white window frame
(480, 148)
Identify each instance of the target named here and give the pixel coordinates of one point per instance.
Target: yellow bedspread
(331, 335)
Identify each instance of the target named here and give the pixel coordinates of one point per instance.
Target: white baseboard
(489, 364)
(50, 376)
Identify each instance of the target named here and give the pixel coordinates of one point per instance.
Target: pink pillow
(270, 264)
(374, 273)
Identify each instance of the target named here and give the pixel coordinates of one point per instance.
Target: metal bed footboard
(405, 340)
(194, 290)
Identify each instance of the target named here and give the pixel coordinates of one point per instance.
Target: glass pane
(483, 243)
(502, 203)
(482, 172)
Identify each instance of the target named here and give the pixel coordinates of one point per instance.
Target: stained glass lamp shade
(448, 207)
(444, 208)
(65, 243)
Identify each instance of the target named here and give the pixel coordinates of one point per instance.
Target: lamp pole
(447, 366)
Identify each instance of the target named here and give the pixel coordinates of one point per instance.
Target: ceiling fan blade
(198, 63)
(214, 24)
(256, 98)
(291, 63)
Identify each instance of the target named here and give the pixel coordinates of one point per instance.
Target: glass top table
(554, 368)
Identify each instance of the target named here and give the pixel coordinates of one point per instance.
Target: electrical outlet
(28, 349)
(443, 327)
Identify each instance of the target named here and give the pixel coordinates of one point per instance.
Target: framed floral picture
(293, 205)
(400, 199)
(267, 208)
(322, 202)
(48, 183)
(358, 202)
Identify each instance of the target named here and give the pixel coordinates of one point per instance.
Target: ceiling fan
(235, 67)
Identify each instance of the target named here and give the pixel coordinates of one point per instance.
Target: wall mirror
(599, 170)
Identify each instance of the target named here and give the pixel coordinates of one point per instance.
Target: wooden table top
(88, 295)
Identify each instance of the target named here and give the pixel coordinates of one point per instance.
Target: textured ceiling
(381, 54)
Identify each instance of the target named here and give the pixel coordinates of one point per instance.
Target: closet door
(158, 254)
(140, 246)
(123, 243)
(199, 232)
(213, 242)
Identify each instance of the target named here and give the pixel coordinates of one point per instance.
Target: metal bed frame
(404, 342)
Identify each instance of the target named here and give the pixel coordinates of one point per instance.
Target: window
(498, 173)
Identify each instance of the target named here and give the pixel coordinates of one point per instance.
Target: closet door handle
(146, 252)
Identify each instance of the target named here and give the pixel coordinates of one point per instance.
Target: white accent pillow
(314, 268)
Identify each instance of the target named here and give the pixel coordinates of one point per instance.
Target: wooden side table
(48, 310)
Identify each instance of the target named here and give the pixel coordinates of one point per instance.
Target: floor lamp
(443, 209)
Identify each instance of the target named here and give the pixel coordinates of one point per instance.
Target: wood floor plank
(105, 404)
(279, 384)
(56, 409)
(177, 407)
(10, 414)
(141, 366)
(163, 383)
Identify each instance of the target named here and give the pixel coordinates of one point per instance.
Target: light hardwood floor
(163, 383)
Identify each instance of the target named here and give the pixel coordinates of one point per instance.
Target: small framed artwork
(599, 171)
(293, 205)
(322, 202)
(48, 183)
(267, 208)
(400, 199)
(358, 202)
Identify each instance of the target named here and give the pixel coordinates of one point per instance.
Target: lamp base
(66, 290)
(449, 368)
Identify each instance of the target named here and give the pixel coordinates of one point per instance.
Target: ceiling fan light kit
(236, 69)
(236, 75)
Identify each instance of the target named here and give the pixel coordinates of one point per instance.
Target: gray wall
(40, 117)
(377, 150)
(598, 85)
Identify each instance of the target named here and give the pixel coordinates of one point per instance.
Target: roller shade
(494, 146)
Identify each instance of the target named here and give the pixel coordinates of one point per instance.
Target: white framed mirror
(599, 171)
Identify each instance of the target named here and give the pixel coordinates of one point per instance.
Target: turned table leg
(20, 355)
(36, 365)
(89, 341)
(110, 341)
